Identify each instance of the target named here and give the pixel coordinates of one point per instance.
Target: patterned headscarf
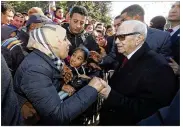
(45, 38)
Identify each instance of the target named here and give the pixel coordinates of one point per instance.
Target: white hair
(137, 26)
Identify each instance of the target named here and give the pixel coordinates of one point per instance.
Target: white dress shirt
(175, 29)
(131, 54)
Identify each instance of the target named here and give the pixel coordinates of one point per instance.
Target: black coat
(81, 39)
(175, 40)
(15, 54)
(168, 116)
(145, 84)
(10, 109)
(38, 80)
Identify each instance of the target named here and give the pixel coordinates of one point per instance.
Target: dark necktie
(170, 30)
(125, 60)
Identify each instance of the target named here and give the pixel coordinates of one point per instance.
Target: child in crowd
(79, 73)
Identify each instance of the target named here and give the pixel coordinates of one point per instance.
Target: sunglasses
(121, 37)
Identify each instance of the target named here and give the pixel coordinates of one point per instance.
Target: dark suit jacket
(159, 41)
(145, 84)
(175, 40)
(168, 116)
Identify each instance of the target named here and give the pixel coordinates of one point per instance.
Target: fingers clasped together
(101, 86)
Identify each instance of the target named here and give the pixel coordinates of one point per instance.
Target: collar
(175, 29)
(131, 54)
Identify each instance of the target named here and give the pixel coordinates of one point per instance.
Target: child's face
(77, 58)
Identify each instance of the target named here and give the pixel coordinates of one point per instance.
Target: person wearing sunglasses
(158, 40)
(134, 91)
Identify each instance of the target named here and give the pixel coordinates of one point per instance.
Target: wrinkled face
(77, 23)
(18, 21)
(63, 47)
(117, 23)
(7, 18)
(59, 13)
(125, 44)
(174, 13)
(89, 28)
(77, 58)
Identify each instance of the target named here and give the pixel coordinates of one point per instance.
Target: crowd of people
(59, 68)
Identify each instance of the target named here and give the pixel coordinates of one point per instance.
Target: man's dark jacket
(167, 116)
(83, 38)
(175, 40)
(145, 84)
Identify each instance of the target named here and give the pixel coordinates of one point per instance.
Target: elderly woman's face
(63, 47)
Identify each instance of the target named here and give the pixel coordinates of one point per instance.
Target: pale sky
(152, 9)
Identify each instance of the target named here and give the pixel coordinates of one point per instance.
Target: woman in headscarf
(37, 79)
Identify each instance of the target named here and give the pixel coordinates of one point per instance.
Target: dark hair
(57, 8)
(46, 13)
(98, 25)
(117, 17)
(134, 10)
(17, 14)
(108, 26)
(158, 22)
(86, 25)
(5, 7)
(24, 13)
(80, 10)
(85, 51)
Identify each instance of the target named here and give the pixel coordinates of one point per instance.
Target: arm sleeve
(38, 88)
(165, 49)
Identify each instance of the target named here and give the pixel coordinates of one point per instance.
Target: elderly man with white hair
(143, 84)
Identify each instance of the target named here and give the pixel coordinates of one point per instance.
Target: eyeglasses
(121, 37)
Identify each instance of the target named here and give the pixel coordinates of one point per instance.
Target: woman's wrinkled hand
(69, 89)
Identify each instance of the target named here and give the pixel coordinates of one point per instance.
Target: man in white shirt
(174, 19)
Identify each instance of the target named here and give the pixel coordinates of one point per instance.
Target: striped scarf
(38, 40)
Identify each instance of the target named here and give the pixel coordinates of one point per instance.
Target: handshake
(101, 86)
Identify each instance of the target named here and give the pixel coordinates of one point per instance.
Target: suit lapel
(175, 36)
(133, 61)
